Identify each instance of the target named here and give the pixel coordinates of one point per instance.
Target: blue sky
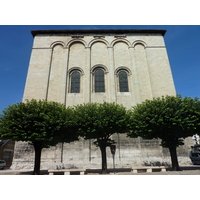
(182, 42)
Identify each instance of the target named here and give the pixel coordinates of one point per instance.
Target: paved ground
(185, 170)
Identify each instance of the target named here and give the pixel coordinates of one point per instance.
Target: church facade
(81, 66)
(78, 66)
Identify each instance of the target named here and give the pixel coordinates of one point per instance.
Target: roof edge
(97, 31)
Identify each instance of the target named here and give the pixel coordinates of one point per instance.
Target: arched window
(75, 82)
(123, 81)
(99, 80)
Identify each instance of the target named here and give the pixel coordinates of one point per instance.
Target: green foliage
(169, 118)
(101, 120)
(39, 121)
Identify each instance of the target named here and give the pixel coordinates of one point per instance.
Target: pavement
(185, 170)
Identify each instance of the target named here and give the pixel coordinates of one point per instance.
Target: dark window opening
(99, 82)
(123, 81)
(75, 82)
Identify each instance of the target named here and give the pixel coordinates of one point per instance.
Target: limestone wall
(142, 54)
(84, 154)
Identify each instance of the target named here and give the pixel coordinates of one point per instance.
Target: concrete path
(185, 170)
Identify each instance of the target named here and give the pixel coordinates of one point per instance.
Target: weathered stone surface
(55, 54)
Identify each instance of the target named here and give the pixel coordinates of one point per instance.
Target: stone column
(112, 78)
(87, 76)
(88, 86)
(134, 83)
(65, 75)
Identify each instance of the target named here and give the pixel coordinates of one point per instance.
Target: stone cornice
(97, 31)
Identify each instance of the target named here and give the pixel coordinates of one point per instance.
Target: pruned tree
(169, 118)
(41, 123)
(99, 121)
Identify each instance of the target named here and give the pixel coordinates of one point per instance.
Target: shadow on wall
(156, 163)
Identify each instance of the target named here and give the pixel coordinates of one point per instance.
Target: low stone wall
(84, 154)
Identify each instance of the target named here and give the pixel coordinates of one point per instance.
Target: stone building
(80, 66)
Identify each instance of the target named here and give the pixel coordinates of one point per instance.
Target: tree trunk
(38, 150)
(104, 159)
(174, 159)
(61, 159)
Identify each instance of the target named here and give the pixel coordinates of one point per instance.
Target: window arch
(99, 79)
(123, 81)
(75, 77)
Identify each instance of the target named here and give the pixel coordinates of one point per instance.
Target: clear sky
(182, 42)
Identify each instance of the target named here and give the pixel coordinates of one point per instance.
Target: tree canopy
(169, 118)
(99, 121)
(42, 123)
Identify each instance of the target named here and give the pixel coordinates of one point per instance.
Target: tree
(169, 118)
(99, 121)
(41, 123)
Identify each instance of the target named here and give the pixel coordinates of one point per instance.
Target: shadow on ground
(117, 171)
